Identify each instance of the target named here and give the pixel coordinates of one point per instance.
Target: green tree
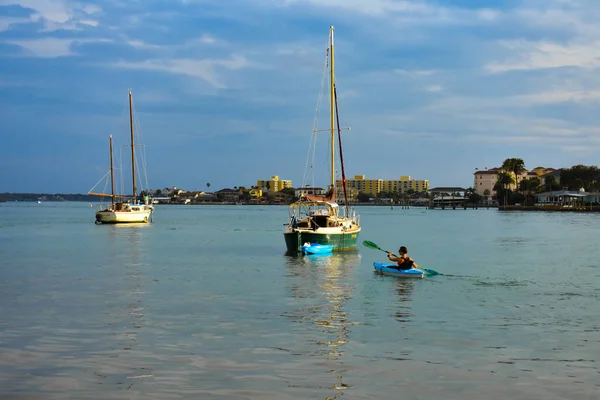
(503, 193)
(550, 183)
(515, 166)
(363, 197)
(288, 191)
(580, 176)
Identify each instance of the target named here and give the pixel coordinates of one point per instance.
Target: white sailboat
(320, 219)
(121, 211)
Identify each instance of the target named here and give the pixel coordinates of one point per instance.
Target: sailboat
(120, 210)
(318, 219)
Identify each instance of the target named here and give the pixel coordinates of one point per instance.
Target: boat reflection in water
(404, 289)
(321, 286)
(126, 247)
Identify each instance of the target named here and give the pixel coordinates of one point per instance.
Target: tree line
(575, 178)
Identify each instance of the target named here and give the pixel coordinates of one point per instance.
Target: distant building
(308, 190)
(486, 179)
(375, 186)
(551, 172)
(350, 192)
(274, 184)
(404, 184)
(228, 195)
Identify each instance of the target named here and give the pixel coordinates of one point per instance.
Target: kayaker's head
(403, 250)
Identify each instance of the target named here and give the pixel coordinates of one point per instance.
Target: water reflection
(127, 249)
(323, 286)
(404, 289)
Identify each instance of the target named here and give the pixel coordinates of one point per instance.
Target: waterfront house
(447, 196)
(567, 198)
(228, 195)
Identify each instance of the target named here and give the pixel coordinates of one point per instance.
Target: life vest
(406, 264)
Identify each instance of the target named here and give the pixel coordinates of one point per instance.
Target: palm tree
(208, 185)
(515, 166)
(505, 179)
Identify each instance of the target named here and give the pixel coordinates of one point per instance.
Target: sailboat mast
(332, 104)
(132, 147)
(112, 175)
(337, 116)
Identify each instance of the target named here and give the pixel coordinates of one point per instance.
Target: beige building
(274, 184)
(375, 186)
(485, 180)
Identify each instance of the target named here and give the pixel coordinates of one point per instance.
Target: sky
(225, 91)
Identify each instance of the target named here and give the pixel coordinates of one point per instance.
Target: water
(203, 303)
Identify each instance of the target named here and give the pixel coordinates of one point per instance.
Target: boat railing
(102, 207)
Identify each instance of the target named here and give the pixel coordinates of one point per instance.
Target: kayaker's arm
(392, 258)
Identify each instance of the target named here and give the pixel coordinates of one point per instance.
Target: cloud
(405, 11)
(7, 22)
(371, 7)
(559, 96)
(580, 149)
(51, 47)
(544, 55)
(434, 88)
(203, 40)
(58, 14)
(204, 69)
(207, 39)
(406, 72)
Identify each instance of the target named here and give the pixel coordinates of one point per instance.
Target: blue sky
(225, 90)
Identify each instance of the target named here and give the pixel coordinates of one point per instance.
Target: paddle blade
(370, 245)
(430, 272)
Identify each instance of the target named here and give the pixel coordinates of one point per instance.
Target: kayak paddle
(372, 245)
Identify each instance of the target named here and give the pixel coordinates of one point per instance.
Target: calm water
(203, 304)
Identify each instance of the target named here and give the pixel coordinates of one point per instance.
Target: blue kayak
(315, 248)
(392, 270)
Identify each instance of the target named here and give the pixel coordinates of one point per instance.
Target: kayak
(392, 270)
(315, 248)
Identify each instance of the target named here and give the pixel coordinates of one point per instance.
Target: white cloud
(406, 11)
(204, 69)
(434, 88)
(206, 39)
(544, 55)
(7, 22)
(371, 7)
(559, 96)
(424, 72)
(58, 14)
(89, 22)
(580, 149)
(51, 47)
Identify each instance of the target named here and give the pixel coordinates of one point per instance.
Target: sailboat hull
(124, 217)
(340, 240)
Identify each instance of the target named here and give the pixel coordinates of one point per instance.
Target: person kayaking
(404, 261)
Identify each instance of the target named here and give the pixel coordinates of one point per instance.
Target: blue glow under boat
(392, 270)
(315, 248)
